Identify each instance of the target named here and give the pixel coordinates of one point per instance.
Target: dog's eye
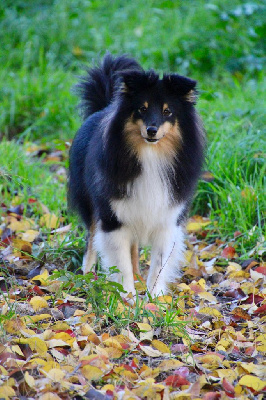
(143, 109)
(167, 112)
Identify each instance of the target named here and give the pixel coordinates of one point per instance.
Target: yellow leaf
(3, 370)
(86, 330)
(147, 372)
(150, 351)
(210, 311)
(17, 349)
(29, 379)
(165, 299)
(229, 374)
(197, 226)
(108, 387)
(210, 361)
(224, 345)
(92, 373)
(36, 344)
(65, 337)
(14, 325)
(22, 245)
(188, 256)
(43, 278)
(111, 342)
(144, 327)
(202, 283)
(167, 365)
(113, 352)
(56, 374)
(38, 362)
(49, 396)
(60, 326)
(183, 287)
(35, 318)
(50, 221)
(207, 296)
(253, 382)
(20, 226)
(30, 235)
(163, 348)
(38, 302)
(6, 392)
(261, 342)
(121, 371)
(239, 274)
(50, 365)
(256, 369)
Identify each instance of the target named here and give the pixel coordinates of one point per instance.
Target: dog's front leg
(166, 255)
(115, 250)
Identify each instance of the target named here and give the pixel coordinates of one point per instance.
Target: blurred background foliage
(44, 43)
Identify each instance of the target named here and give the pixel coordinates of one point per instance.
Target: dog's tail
(97, 88)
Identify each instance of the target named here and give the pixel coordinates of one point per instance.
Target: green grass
(44, 45)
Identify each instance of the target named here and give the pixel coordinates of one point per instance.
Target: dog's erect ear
(134, 81)
(182, 86)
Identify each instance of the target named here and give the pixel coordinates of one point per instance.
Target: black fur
(102, 164)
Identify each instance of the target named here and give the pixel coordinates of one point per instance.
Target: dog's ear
(182, 86)
(134, 81)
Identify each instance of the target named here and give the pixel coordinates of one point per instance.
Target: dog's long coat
(134, 164)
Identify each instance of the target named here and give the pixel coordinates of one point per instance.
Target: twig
(163, 266)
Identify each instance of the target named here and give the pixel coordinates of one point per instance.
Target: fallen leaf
(176, 381)
(163, 348)
(38, 302)
(42, 278)
(228, 252)
(29, 379)
(167, 365)
(50, 221)
(30, 235)
(91, 373)
(56, 375)
(252, 382)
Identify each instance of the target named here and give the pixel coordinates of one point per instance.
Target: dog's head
(160, 108)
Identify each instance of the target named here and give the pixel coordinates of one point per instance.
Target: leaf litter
(207, 340)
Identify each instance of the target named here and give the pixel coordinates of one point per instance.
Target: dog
(134, 165)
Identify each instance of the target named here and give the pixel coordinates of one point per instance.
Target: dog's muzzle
(151, 132)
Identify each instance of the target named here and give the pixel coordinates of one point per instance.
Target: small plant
(95, 288)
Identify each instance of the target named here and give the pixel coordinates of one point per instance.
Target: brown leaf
(228, 252)
(239, 312)
(176, 381)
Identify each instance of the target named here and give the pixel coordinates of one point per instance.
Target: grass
(44, 45)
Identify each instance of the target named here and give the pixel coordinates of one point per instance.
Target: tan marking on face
(169, 135)
(146, 104)
(171, 139)
(134, 131)
(165, 106)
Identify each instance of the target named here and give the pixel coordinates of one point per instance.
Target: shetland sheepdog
(134, 164)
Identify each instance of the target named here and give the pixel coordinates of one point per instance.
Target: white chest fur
(149, 206)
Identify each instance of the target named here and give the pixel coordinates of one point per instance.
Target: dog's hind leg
(90, 256)
(135, 258)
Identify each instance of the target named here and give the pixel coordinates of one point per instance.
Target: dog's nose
(151, 131)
